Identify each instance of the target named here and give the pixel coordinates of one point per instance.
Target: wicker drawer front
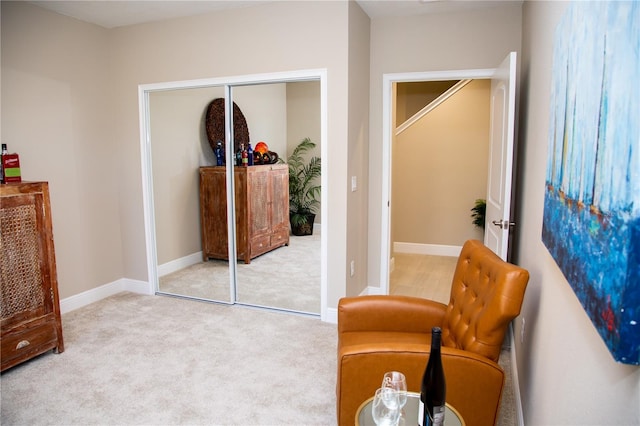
(28, 340)
(20, 262)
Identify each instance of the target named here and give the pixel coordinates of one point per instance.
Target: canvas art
(591, 223)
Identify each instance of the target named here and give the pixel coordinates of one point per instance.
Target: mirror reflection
(285, 276)
(274, 268)
(179, 147)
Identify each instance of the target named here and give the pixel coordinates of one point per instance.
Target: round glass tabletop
(410, 413)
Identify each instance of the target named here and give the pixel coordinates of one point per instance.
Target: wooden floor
(422, 276)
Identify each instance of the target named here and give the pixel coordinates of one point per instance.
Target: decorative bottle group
(244, 155)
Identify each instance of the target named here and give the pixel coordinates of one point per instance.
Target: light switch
(354, 183)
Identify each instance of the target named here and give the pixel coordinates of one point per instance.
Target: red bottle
(10, 166)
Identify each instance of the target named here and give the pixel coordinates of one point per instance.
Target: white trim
(370, 290)
(429, 249)
(515, 380)
(147, 188)
(177, 264)
(324, 201)
(387, 118)
(331, 316)
(96, 294)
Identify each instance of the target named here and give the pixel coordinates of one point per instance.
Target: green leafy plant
(478, 212)
(304, 187)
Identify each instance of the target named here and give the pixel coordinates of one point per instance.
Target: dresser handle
(22, 344)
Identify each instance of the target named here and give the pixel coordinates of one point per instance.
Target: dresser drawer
(27, 341)
(260, 245)
(280, 238)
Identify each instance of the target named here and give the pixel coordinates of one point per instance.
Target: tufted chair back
(486, 294)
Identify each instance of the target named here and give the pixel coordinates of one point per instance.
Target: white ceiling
(118, 13)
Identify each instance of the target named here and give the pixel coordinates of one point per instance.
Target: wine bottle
(433, 391)
(3, 152)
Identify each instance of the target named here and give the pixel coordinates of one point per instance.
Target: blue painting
(591, 223)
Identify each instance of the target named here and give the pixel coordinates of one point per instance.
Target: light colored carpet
(150, 360)
(285, 278)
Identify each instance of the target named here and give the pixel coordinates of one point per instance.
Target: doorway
(443, 157)
(502, 111)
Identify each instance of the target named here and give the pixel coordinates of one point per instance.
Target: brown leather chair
(384, 333)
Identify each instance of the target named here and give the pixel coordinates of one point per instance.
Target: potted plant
(304, 188)
(478, 213)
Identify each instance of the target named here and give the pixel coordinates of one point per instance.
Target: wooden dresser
(262, 210)
(29, 302)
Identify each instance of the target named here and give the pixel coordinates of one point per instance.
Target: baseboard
(331, 316)
(514, 378)
(96, 294)
(178, 264)
(370, 290)
(429, 249)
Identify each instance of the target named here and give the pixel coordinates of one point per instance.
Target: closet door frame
(147, 177)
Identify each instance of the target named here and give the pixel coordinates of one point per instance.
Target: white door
(503, 104)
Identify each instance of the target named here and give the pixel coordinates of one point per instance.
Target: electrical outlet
(522, 331)
(353, 267)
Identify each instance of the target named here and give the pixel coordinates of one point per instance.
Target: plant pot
(304, 228)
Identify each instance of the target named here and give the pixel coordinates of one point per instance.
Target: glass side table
(364, 417)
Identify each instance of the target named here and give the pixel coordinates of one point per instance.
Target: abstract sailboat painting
(591, 223)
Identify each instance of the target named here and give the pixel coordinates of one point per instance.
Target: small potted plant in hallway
(478, 213)
(304, 188)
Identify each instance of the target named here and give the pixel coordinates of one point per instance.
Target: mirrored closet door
(287, 275)
(274, 116)
(179, 147)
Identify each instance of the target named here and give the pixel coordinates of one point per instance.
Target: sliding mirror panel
(276, 269)
(179, 149)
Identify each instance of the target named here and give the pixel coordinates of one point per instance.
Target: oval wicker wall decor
(214, 124)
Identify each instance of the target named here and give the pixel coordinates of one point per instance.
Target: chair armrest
(389, 313)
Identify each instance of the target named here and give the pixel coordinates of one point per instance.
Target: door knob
(503, 224)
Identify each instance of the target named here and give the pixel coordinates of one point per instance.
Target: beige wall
(57, 114)
(567, 375)
(303, 119)
(74, 102)
(472, 40)
(179, 145)
(265, 109)
(358, 151)
(440, 169)
(270, 37)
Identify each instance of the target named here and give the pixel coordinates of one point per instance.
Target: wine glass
(386, 407)
(396, 380)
